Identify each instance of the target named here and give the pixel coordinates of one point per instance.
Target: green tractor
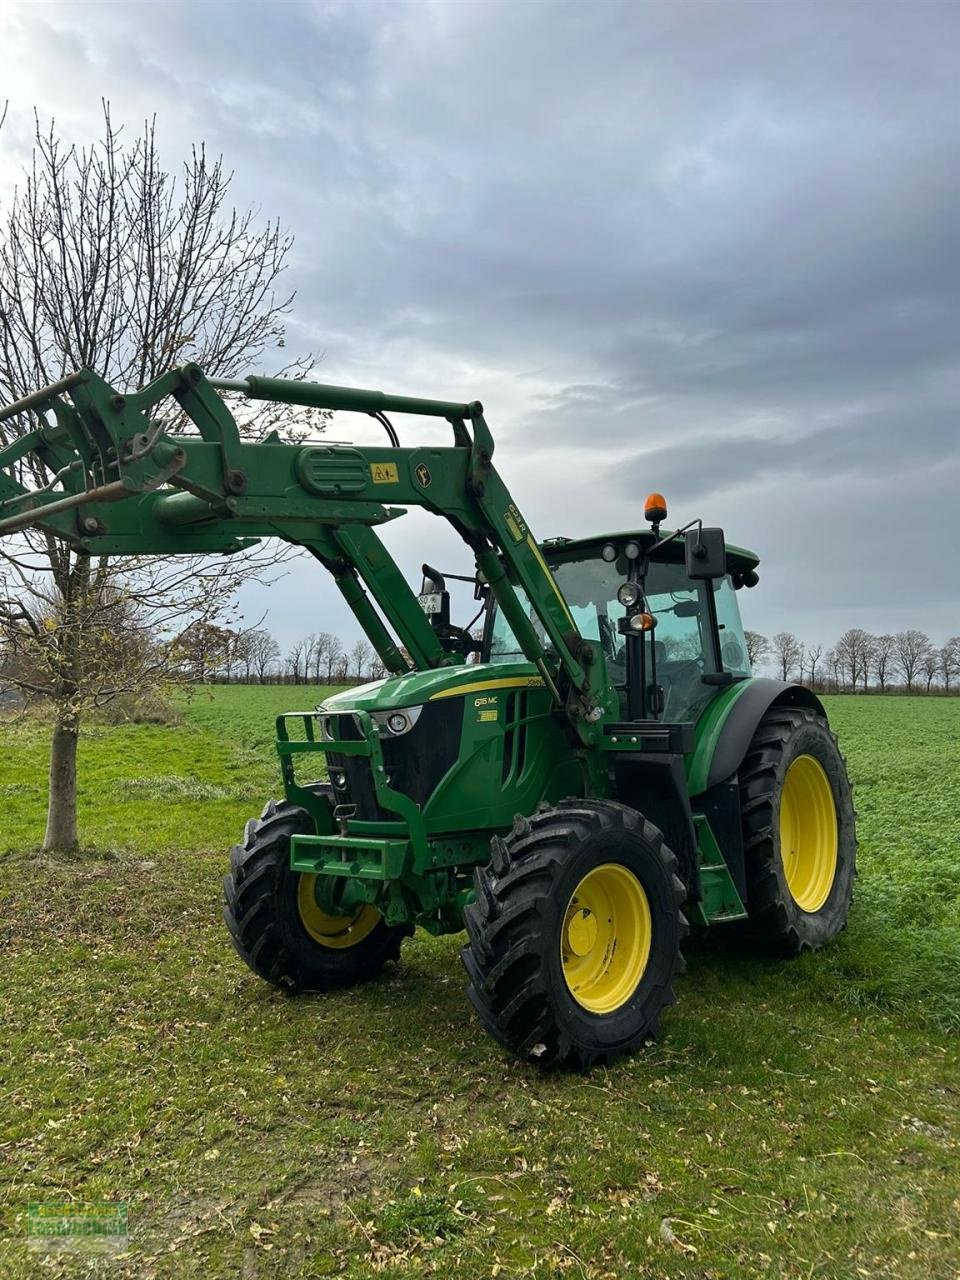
(573, 788)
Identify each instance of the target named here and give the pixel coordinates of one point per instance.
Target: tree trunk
(61, 833)
(73, 582)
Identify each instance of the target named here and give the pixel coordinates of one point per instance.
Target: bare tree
(832, 662)
(814, 654)
(108, 261)
(911, 648)
(853, 653)
(265, 652)
(787, 651)
(297, 660)
(882, 657)
(243, 650)
(950, 661)
(869, 646)
(758, 647)
(845, 661)
(334, 655)
(360, 657)
(317, 646)
(930, 666)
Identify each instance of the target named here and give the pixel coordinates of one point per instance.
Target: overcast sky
(711, 249)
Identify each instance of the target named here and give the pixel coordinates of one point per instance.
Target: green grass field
(798, 1119)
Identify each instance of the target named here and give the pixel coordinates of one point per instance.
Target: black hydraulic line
(387, 426)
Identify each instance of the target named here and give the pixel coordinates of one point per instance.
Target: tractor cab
(668, 638)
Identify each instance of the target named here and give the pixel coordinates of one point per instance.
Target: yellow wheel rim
(332, 931)
(605, 943)
(808, 833)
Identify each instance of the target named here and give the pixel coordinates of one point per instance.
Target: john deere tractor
(600, 768)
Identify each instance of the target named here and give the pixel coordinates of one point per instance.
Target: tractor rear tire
(799, 832)
(275, 923)
(574, 936)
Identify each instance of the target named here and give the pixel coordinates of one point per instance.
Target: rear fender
(725, 729)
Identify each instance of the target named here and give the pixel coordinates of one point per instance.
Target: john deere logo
(423, 474)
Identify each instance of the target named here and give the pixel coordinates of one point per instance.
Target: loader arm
(121, 484)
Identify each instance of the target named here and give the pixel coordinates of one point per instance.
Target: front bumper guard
(349, 853)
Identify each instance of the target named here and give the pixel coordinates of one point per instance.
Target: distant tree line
(209, 654)
(860, 662)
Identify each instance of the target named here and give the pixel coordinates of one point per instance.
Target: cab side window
(733, 646)
(679, 628)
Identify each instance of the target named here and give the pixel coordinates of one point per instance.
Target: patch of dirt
(347, 1175)
(934, 1131)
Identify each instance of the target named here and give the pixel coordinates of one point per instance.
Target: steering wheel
(678, 680)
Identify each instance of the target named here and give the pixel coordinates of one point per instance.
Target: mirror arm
(662, 542)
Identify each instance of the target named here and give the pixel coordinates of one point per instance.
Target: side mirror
(706, 553)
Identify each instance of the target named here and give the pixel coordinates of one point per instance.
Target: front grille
(345, 727)
(415, 762)
(357, 788)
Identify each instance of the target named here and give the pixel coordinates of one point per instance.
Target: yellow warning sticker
(384, 472)
(484, 717)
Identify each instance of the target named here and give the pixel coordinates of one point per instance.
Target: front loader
(606, 771)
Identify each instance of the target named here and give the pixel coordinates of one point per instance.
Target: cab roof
(738, 557)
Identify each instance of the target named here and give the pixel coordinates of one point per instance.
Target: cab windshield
(683, 644)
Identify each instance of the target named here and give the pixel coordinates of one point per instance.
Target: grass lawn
(798, 1119)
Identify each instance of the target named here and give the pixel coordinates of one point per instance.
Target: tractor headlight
(397, 722)
(628, 593)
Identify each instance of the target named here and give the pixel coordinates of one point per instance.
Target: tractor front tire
(799, 833)
(276, 924)
(574, 936)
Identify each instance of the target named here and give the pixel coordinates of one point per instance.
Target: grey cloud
(880, 443)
